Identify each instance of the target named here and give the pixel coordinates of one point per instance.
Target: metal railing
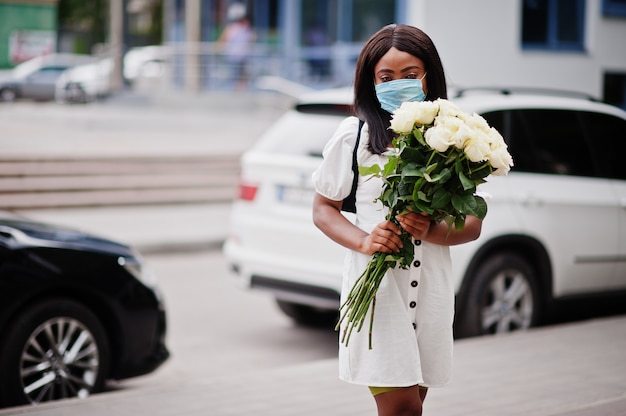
(203, 67)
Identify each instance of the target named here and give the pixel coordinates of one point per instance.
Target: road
(217, 329)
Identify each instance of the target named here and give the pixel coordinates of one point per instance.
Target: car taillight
(247, 191)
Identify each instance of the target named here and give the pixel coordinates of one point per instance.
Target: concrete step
(51, 182)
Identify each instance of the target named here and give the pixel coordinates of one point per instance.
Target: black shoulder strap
(349, 204)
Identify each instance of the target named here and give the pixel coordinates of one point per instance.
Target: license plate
(295, 195)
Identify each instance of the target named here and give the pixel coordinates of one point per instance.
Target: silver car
(36, 78)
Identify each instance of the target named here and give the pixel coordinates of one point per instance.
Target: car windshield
(26, 68)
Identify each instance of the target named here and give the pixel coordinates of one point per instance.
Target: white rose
(456, 129)
(475, 121)
(439, 137)
(447, 108)
(500, 160)
(410, 113)
(477, 146)
(402, 120)
(496, 138)
(425, 112)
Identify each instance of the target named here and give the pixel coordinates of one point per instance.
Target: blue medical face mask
(392, 94)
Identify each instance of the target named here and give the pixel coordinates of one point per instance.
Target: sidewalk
(575, 369)
(152, 229)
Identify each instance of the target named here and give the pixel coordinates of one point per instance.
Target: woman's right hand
(385, 237)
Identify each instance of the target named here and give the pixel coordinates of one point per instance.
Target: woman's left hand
(414, 223)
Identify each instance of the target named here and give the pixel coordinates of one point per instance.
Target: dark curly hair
(405, 38)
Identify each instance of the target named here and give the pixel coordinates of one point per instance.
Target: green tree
(87, 21)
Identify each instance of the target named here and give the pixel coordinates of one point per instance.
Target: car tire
(8, 95)
(501, 296)
(55, 349)
(308, 315)
(76, 93)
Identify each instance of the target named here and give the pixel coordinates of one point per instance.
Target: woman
(412, 336)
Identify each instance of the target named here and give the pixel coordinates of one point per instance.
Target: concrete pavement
(576, 369)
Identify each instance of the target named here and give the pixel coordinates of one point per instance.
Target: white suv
(556, 225)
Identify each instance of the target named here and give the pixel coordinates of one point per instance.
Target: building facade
(575, 45)
(28, 28)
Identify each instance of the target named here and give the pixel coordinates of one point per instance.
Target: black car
(75, 311)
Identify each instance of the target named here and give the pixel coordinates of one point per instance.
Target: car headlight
(135, 266)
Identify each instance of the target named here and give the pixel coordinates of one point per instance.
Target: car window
(545, 140)
(514, 130)
(558, 140)
(607, 135)
(48, 73)
(299, 134)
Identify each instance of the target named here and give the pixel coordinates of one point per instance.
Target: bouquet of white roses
(438, 158)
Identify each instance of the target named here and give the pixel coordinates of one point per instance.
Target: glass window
(48, 73)
(614, 8)
(615, 89)
(556, 142)
(607, 135)
(319, 22)
(516, 134)
(318, 33)
(369, 16)
(553, 24)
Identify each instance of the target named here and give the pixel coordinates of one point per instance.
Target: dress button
(417, 263)
(414, 283)
(413, 304)
(414, 325)
(418, 242)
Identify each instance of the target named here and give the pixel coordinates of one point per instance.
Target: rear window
(298, 133)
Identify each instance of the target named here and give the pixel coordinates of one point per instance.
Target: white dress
(412, 333)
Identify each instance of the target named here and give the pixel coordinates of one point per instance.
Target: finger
(390, 226)
(386, 241)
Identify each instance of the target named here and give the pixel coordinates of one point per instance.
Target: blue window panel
(614, 8)
(553, 25)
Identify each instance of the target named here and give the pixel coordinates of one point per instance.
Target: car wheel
(8, 95)
(75, 93)
(308, 315)
(501, 297)
(56, 349)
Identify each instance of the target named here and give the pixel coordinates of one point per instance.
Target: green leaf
(442, 177)
(412, 155)
(466, 182)
(459, 222)
(405, 188)
(422, 196)
(419, 206)
(441, 198)
(463, 203)
(419, 136)
(470, 205)
(481, 207)
(390, 166)
(369, 170)
(412, 169)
